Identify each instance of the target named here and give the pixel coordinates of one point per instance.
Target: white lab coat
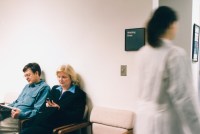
(167, 103)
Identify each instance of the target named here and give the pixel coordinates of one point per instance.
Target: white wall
(87, 34)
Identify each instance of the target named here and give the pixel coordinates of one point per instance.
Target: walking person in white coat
(167, 103)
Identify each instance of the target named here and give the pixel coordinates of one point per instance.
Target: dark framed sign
(134, 39)
(195, 43)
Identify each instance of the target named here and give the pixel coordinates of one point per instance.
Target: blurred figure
(166, 99)
(66, 104)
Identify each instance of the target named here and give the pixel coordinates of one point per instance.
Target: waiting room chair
(111, 121)
(70, 127)
(75, 126)
(106, 121)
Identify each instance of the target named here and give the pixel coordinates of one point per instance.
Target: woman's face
(64, 79)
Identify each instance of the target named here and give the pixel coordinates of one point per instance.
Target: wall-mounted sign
(134, 39)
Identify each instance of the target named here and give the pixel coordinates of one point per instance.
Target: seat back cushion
(112, 117)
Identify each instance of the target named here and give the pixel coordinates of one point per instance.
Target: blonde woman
(65, 105)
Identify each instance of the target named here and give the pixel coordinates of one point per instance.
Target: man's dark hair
(34, 67)
(160, 21)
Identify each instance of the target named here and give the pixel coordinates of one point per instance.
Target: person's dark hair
(162, 18)
(34, 68)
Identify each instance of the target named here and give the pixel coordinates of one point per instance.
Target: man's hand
(15, 113)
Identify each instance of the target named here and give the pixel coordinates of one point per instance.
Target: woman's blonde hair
(68, 69)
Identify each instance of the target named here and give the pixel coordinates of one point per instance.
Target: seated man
(30, 102)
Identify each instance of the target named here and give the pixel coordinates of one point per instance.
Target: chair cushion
(112, 117)
(103, 129)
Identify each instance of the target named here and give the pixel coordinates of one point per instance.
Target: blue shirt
(32, 99)
(71, 89)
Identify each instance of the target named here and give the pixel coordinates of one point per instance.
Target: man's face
(31, 77)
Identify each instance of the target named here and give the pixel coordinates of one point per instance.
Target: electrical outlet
(123, 70)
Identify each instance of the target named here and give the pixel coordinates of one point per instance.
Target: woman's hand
(52, 104)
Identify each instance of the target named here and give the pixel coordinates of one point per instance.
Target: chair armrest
(20, 123)
(74, 127)
(55, 130)
(129, 132)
